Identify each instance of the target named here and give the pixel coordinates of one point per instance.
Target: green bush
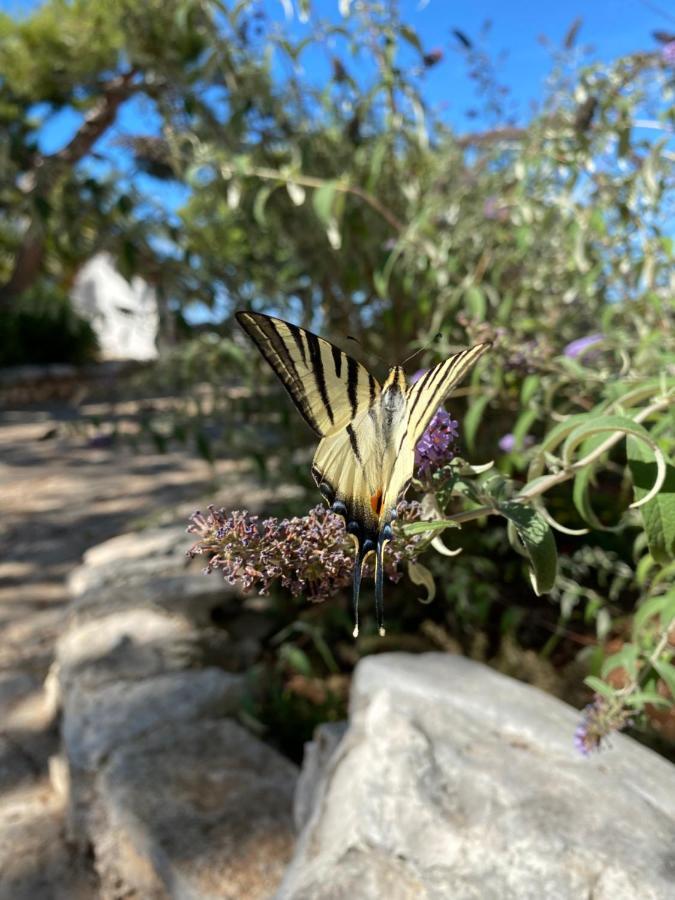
(42, 327)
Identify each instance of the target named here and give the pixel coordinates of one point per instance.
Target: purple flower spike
(600, 719)
(436, 447)
(668, 53)
(311, 556)
(578, 348)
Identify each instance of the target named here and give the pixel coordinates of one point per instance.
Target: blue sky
(612, 27)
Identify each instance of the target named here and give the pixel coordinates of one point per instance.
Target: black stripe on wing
(328, 387)
(427, 394)
(319, 374)
(264, 332)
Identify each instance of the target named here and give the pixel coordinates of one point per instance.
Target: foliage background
(347, 204)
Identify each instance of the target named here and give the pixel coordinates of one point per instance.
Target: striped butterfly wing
(328, 387)
(354, 468)
(426, 395)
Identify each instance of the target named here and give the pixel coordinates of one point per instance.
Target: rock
(174, 799)
(97, 721)
(134, 644)
(16, 765)
(14, 687)
(130, 645)
(123, 313)
(199, 811)
(317, 754)
(454, 781)
(146, 544)
(154, 582)
(132, 556)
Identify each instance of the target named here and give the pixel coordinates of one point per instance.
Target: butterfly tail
(379, 585)
(358, 567)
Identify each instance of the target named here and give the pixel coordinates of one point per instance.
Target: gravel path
(58, 496)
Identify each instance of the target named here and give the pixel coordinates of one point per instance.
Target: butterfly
(365, 459)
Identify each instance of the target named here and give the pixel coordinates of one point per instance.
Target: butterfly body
(365, 459)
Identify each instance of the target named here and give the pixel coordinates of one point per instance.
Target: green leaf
(658, 514)
(662, 606)
(419, 574)
(521, 429)
(582, 483)
(667, 671)
(296, 192)
(600, 687)
(322, 200)
(553, 438)
(434, 526)
(611, 425)
(626, 659)
(538, 541)
(260, 202)
(529, 388)
(473, 419)
(408, 34)
(376, 161)
(296, 659)
(642, 697)
(475, 302)
(381, 284)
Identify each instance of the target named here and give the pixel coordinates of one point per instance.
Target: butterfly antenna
(379, 586)
(422, 349)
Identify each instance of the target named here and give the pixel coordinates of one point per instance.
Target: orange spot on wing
(376, 502)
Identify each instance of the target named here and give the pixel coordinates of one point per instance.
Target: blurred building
(124, 314)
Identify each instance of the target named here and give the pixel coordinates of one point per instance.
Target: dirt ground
(59, 496)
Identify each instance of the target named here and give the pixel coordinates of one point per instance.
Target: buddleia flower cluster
(600, 719)
(310, 556)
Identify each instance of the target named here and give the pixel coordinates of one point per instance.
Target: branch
(310, 181)
(48, 169)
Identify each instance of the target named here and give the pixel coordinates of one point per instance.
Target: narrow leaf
(434, 526)
(626, 659)
(419, 574)
(667, 672)
(658, 514)
(322, 200)
(473, 419)
(600, 687)
(538, 541)
(662, 606)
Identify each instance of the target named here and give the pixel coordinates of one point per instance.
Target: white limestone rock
(198, 811)
(145, 544)
(97, 721)
(454, 781)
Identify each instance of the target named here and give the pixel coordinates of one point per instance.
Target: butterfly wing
(426, 395)
(328, 387)
(353, 468)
